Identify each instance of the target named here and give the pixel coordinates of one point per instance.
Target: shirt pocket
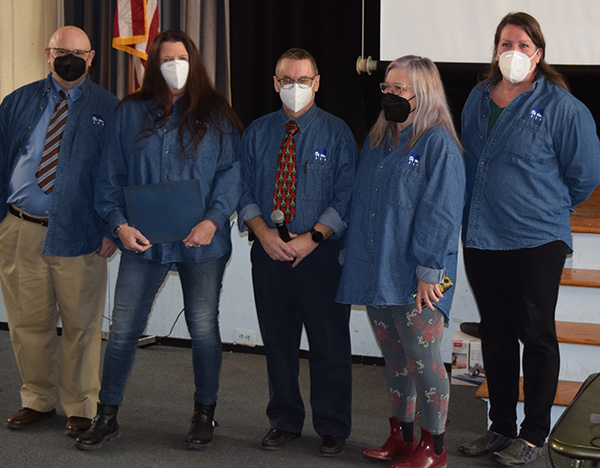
(404, 187)
(318, 183)
(527, 141)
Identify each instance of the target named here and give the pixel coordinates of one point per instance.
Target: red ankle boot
(424, 455)
(394, 447)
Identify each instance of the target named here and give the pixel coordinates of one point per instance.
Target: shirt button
(29, 128)
(166, 176)
(483, 163)
(373, 214)
(381, 166)
(164, 129)
(481, 137)
(372, 264)
(372, 240)
(167, 152)
(376, 189)
(484, 116)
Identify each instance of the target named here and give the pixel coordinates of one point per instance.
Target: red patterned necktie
(47, 171)
(284, 198)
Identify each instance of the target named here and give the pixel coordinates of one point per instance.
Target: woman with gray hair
(401, 246)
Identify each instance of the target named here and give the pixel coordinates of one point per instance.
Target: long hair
(202, 105)
(432, 107)
(533, 29)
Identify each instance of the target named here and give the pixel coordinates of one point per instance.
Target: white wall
(25, 28)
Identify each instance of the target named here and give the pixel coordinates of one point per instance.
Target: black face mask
(69, 67)
(395, 108)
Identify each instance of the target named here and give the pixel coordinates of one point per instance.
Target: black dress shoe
(470, 328)
(277, 438)
(27, 417)
(104, 428)
(332, 446)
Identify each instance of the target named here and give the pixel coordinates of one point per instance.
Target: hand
(427, 293)
(201, 234)
(133, 240)
(107, 248)
(302, 246)
(277, 249)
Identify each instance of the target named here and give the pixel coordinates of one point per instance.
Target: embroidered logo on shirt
(413, 159)
(98, 120)
(320, 155)
(536, 114)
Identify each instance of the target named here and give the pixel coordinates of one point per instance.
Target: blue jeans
(137, 284)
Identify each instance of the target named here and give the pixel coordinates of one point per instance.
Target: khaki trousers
(38, 290)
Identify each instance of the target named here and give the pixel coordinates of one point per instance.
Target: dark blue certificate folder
(164, 212)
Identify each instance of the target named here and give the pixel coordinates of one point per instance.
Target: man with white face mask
(299, 162)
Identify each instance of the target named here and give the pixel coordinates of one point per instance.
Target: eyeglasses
(395, 89)
(58, 52)
(303, 82)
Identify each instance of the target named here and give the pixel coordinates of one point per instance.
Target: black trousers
(286, 299)
(516, 293)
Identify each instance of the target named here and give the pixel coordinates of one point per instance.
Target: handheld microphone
(278, 218)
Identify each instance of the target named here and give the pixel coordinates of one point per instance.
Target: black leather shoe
(332, 446)
(470, 328)
(27, 417)
(104, 428)
(203, 425)
(277, 438)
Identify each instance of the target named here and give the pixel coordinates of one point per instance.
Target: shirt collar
(74, 93)
(304, 120)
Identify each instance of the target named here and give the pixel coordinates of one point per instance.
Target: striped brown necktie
(47, 171)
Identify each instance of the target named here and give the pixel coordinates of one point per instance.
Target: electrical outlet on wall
(244, 336)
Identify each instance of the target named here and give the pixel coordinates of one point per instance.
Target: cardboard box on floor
(467, 360)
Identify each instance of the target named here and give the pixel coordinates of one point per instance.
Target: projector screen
(462, 31)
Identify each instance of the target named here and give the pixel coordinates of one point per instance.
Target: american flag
(135, 25)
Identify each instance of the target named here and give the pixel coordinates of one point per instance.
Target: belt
(19, 214)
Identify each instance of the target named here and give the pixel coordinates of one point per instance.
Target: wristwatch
(317, 236)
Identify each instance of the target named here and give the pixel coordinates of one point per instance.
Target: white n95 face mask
(515, 65)
(296, 98)
(175, 73)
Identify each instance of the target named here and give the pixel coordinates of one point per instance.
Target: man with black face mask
(52, 246)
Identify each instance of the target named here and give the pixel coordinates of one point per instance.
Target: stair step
(586, 217)
(565, 392)
(580, 277)
(578, 333)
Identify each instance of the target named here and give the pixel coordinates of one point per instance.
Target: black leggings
(516, 292)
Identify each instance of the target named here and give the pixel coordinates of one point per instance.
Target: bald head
(64, 41)
(71, 38)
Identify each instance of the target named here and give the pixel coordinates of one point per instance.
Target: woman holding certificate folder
(401, 252)
(176, 129)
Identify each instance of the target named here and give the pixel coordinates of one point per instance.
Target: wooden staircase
(586, 220)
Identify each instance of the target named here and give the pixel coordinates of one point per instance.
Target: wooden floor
(586, 218)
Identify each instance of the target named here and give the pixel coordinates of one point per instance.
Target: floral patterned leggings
(410, 343)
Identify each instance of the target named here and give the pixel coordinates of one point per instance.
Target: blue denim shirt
(74, 227)
(133, 160)
(325, 160)
(405, 220)
(542, 159)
